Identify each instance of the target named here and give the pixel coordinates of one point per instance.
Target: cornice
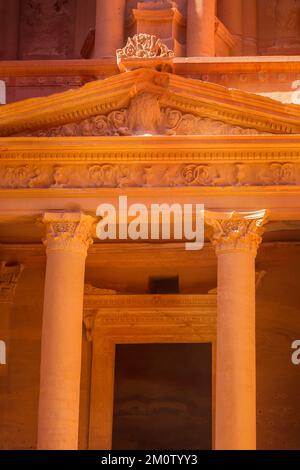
(107, 66)
(159, 149)
(199, 98)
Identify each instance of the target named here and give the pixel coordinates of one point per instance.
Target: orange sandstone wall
(278, 325)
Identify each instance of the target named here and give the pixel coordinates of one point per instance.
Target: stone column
(201, 28)
(9, 29)
(102, 395)
(231, 14)
(250, 27)
(110, 19)
(68, 236)
(236, 238)
(9, 277)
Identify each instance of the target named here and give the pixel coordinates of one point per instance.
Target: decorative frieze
(149, 311)
(117, 175)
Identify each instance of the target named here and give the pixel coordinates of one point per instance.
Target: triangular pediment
(149, 102)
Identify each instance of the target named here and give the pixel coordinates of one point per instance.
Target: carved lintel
(236, 232)
(147, 310)
(9, 277)
(68, 232)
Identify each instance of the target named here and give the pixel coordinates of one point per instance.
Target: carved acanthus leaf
(68, 232)
(144, 46)
(236, 231)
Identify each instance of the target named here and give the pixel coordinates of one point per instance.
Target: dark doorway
(163, 397)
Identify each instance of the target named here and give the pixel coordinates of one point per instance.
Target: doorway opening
(163, 397)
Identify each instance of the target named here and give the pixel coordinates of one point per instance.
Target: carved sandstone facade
(141, 121)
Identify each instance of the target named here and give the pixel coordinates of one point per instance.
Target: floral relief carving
(144, 46)
(145, 116)
(25, 176)
(68, 232)
(279, 174)
(236, 231)
(199, 175)
(117, 175)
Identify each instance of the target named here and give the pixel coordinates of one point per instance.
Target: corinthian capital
(68, 232)
(9, 276)
(236, 231)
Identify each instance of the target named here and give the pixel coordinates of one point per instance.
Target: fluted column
(236, 238)
(231, 14)
(201, 28)
(68, 236)
(110, 19)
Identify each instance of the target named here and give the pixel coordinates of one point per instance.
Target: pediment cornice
(142, 99)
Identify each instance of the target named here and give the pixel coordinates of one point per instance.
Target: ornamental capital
(9, 277)
(68, 232)
(236, 231)
(145, 51)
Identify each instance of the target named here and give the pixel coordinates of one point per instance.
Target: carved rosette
(233, 232)
(144, 115)
(68, 232)
(9, 277)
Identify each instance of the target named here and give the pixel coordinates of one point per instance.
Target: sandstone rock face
(47, 29)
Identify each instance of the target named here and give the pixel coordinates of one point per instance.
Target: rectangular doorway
(163, 397)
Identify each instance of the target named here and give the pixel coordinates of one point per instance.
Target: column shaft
(102, 396)
(235, 374)
(250, 27)
(236, 237)
(62, 334)
(110, 18)
(231, 14)
(201, 28)
(9, 29)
